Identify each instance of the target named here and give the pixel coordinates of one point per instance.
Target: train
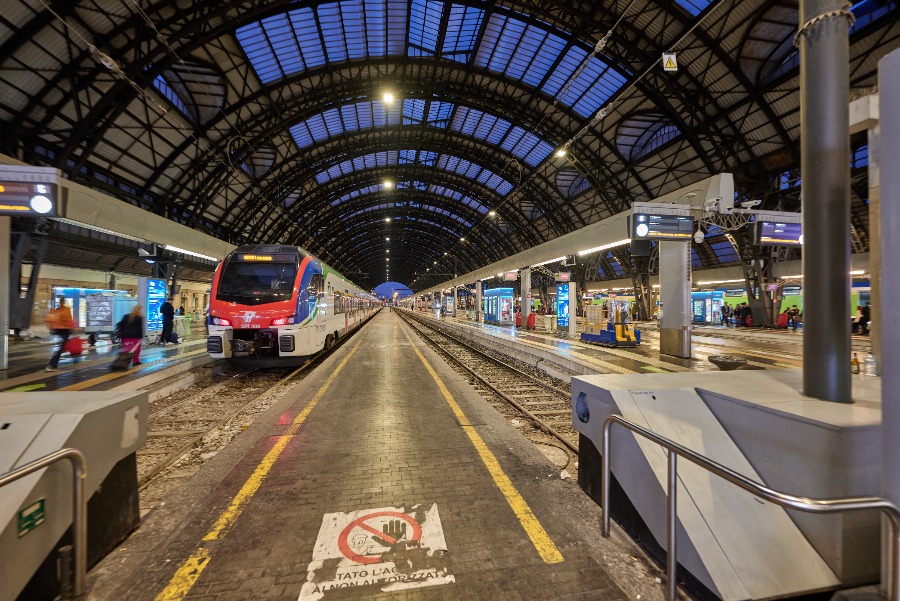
(274, 306)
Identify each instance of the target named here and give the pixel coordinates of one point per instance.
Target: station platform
(382, 475)
(90, 370)
(762, 349)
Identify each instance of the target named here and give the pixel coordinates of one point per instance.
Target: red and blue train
(276, 305)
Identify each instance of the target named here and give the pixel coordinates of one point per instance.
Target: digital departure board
(267, 258)
(662, 227)
(773, 233)
(28, 199)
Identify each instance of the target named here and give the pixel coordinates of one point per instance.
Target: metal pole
(671, 524)
(604, 478)
(889, 125)
(573, 310)
(825, 169)
(526, 293)
(79, 503)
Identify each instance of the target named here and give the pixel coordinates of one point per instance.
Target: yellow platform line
(539, 537)
(186, 576)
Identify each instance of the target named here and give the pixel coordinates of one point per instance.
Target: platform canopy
(409, 140)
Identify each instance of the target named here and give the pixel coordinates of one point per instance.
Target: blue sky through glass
(695, 7)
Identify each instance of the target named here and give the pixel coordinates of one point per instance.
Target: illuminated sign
(510, 276)
(772, 233)
(562, 305)
(29, 199)
(156, 296)
(257, 258)
(564, 276)
(662, 227)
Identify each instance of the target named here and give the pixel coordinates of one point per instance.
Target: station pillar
(825, 169)
(675, 294)
(4, 292)
(874, 173)
(525, 285)
(573, 310)
(889, 92)
(479, 307)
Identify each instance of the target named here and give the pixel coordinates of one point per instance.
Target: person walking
(794, 315)
(131, 331)
(167, 310)
(60, 322)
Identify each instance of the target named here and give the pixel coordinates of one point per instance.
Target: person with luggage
(167, 310)
(131, 330)
(60, 322)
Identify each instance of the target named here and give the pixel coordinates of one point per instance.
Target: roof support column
(479, 305)
(526, 295)
(4, 292)
(675, 293)
(825, 169)
(889, 93)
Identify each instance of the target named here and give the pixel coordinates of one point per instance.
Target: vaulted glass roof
(539, 56)
(423, 158)
(261, 121)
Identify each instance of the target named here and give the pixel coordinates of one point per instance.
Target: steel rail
(890, 544)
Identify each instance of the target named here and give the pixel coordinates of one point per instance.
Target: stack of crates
(593, 319)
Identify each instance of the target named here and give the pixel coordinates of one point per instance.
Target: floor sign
(388, 549)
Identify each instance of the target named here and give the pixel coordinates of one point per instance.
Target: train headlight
(282, 321)
(219, 321)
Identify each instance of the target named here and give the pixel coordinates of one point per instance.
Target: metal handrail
(79, 505)
(891, 548)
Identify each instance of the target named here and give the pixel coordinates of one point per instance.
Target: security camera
(749, 204)
(711, 204)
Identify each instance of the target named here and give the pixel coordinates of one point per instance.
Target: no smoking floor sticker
(388, 548)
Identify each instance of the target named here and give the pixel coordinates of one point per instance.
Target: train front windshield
(250, 283)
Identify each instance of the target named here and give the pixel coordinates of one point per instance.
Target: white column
(573, 309)
(889, 101)
(4, 292)
(675, 293)
(525, 285)
(479, 308)
(875, 329)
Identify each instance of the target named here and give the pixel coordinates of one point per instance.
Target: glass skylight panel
(463, 24)
(350, 117)
(356, 193)
(695, 258)
(426, 112)
(591, 88)
(725, 252)
(163, 86)
(424, 27)
(439, 113)
(695, 7)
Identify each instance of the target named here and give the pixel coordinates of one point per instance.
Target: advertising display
(772, 233)
(562, 305)
(662, 227)
(156, 296)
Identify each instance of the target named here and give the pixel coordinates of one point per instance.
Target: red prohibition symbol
(363, 524)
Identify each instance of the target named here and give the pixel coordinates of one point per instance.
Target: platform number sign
(562, 305)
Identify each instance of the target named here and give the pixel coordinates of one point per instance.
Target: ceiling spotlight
(561, 152)
(492, 213)
(387, 219)
(445, 254)
(435, 262)
(462, 239)
(387, 250)
(388, 98)
(388, 184)
(388, 259)
(388, 238)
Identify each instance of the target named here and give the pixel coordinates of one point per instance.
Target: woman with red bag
(60, 323)
(131, 331)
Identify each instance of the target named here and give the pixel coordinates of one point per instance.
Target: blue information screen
(156, 296)
(562, 305)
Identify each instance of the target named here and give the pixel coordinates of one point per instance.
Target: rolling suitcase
(123, 361)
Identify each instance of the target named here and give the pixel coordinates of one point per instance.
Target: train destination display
(662, 227)
(773, 233)
(36, 199)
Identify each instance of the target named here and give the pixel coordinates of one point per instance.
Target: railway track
(533, 398)
(192, 425)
